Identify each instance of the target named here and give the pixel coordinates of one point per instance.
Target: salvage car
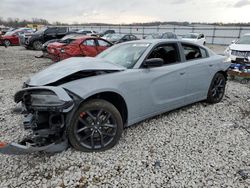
(198, 38)
(63, 41)
(35, 41)
(119, 38)
(12, 37)
(89, 101)
(78, 46)
(239, 50)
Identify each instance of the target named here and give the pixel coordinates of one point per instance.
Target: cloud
(179, 1)
(120, 11)
(242, 3)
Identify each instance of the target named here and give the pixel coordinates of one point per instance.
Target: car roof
(154, 41)
(159, 41)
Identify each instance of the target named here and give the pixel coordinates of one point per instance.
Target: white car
(87, 32)
(239, 49)
(197, 38)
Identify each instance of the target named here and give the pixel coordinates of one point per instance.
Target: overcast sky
(127, 11)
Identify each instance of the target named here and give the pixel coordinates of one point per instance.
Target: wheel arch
(114, 98)
(224, 73)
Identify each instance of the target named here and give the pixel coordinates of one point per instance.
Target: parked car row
(60, 43)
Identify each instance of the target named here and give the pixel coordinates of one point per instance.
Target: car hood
(70, 66)
(240, 47)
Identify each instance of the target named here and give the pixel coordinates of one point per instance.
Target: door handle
(182, 73)
(211, 65)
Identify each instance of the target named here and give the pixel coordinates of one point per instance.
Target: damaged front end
(46, 112)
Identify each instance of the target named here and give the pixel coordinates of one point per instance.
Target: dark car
(119, 38)
(36, 40)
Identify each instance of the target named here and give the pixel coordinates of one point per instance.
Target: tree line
(16, 22)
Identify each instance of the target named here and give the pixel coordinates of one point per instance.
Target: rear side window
(192, 52)
(62, 30)
(51, 30)
(89, 42)
(132, 37)
(103, 43)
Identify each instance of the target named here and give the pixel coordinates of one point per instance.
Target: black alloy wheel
(217, 88)
(96, 126)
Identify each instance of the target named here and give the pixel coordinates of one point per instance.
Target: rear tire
(37, 45)
(217, 89)
(96, 126)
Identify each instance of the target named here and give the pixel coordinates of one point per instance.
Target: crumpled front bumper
(20, 149)
(59, 143)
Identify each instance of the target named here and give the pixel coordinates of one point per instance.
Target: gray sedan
(87, 102)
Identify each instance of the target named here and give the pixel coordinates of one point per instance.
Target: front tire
(96, 126)
(6, 43)
(217, 89)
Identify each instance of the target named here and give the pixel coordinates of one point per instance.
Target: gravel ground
(197, 146)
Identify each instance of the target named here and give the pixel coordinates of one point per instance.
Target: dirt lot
(197, 146)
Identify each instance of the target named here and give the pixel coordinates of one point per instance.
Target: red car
(80, 46)
(12, 37)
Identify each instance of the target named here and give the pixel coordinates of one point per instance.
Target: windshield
(244, 40)
(190, 36)
(125, 55)
(10, 33)
(41, 30)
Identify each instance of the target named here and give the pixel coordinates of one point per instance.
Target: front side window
(192, 52)
(168, 52)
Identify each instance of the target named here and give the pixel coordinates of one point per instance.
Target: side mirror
(154, 62)
(234, 41)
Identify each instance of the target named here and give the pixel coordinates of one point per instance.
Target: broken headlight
(44, 100)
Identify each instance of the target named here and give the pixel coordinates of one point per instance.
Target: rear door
(199, 71)
(89, 48)
(61, 32)
(102, 45)
(50, 34)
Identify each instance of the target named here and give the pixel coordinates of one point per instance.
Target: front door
(166, 85)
